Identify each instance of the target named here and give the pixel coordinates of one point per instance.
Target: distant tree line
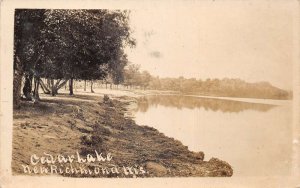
(226, 87)
(53, 47)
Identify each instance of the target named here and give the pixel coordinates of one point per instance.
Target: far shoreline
(139, 93)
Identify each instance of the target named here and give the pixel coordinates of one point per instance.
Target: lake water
(249, 136)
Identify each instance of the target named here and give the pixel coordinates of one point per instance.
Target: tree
(145, 79)
(117, 74)
(132, 75)
(27, 50)
(155, 83)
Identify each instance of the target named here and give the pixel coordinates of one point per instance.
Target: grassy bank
(66, 125)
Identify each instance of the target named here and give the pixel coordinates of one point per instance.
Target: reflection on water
(248, 136)
(179, 102)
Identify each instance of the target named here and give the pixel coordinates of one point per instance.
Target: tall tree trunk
(71, 86)
(49, 84)
(58, 86)
(92, 91)
(52, 87)
(84, 85)
(44, 87)
(17, 83)
(36, 88)
(27, 88)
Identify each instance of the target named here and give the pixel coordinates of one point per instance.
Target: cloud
(156, 54)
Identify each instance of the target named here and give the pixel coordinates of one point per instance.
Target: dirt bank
(62, 126)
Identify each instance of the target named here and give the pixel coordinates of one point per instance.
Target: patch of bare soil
(60, 127)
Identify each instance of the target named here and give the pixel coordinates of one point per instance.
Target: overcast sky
(214, 39)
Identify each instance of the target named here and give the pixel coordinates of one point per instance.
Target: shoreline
(139, 93)
(95, 124)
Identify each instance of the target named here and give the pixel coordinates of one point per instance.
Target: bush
(105, 98)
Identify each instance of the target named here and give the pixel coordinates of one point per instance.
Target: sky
(213, 39)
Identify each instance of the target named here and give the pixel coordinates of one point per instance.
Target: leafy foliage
(80, 44)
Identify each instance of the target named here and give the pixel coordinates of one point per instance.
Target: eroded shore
(65, 125)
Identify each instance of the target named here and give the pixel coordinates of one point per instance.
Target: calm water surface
(249, 136)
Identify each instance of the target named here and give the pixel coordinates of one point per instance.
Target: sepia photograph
(178, 89)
